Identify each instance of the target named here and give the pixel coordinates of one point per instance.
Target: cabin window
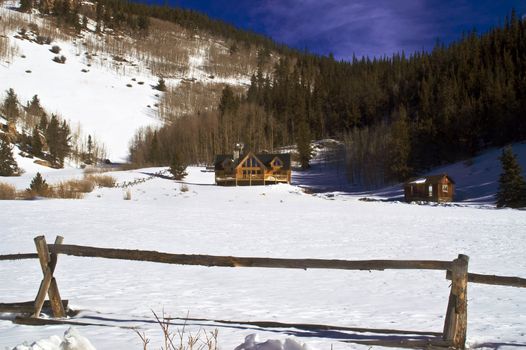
(430, 190)
(277, 162)
(445, 188)
(251, 163)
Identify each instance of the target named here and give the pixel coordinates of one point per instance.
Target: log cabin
(252, 169)
(432, 188)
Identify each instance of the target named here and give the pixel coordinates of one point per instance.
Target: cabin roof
(265, 158)
(429, 179)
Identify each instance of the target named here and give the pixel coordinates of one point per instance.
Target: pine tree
(228, 101)
(58, 140)
(400, 147)
(177, 167)
(33, 107)
(303, 144)
(155, 151)
(89, 155)
(8, 165)
(10, 107)
(39, 186)
(64, 143)
(52, 140)
(512, 186)
(26, 5)
(42, 125)
(36, 143)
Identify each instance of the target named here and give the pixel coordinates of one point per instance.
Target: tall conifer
(512, 187)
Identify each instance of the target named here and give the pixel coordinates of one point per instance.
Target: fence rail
(233, 261)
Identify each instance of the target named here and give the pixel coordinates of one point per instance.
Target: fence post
(48, 286)
(455, 324)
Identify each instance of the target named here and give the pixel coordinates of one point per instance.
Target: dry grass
(73, 188)
(7, 191)
(30, 194)
(64, 190)
(98, 170)
(102, 180)
(184, 188)
(181, 338)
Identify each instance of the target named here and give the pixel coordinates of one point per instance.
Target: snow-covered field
(272, 221)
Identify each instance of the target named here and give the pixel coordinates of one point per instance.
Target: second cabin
(432, 188)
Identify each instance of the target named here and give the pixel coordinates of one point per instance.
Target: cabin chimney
(238, 150)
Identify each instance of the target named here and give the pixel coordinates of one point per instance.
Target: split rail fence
(455, 324)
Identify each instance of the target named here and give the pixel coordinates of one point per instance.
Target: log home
(432, 188)
(252, 169)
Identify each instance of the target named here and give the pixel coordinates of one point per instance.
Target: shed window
(445, 188)
(277, 162)
(430, 190)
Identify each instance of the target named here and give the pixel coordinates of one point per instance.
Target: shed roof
(429, 179)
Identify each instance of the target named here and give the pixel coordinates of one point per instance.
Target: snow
(72, 341)
(419, 181)
(272, 221)
(252, 343)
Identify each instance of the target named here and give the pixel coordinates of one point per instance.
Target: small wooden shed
(432, 188)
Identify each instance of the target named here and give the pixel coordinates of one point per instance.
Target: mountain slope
(106, 84)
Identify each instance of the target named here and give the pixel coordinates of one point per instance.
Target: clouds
(374, 27)
(365, 27)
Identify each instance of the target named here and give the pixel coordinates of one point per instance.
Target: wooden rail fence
(455, 324)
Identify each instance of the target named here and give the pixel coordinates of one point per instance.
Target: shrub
(60, 59)
(66, 190)
(177, 168)
(102, 180)
(42, 39)
(39, 187)
(55, 49)
(161, 85)
(7, 191)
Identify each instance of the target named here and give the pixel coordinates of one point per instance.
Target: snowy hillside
(108, 95)
(272, 221)
(94, 96)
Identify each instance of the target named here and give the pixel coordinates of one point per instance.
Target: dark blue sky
(364, 27)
